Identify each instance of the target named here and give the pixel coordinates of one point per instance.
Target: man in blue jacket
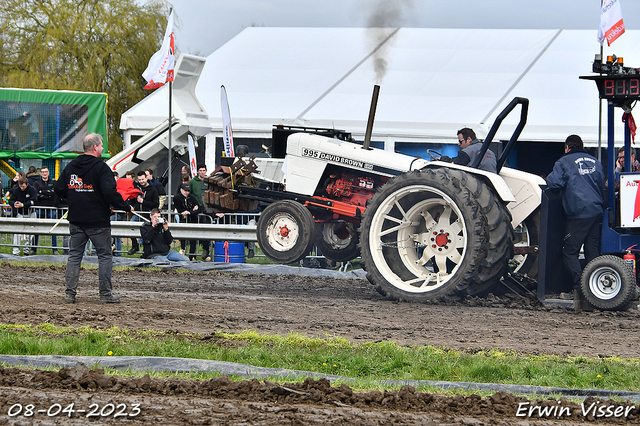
(87, 184)
(580, 177)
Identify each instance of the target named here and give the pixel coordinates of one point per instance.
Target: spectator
(188, 209)
(129, 192)
(162, 194)
(22, 197)
(186, 169)
(47, 200)
(145, 202)
(635, 164)
(88, 186)
(156, 240)
(32, 175)
(130, 175)
(116, 175)
(197, 189)
(14, 181)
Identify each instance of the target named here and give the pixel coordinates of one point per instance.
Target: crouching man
(156, 240)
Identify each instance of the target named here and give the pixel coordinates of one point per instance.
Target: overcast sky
(205, 25)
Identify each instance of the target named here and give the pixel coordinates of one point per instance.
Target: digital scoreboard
(615, 81)
(617, 86)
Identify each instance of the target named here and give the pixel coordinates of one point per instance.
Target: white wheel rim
(333, 240)
(605, 283)
(432, 232)
(282, 232)
(523, 238)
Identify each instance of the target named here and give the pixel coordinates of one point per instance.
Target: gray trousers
(101, 240)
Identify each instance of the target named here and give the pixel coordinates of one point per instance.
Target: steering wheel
(433, 154)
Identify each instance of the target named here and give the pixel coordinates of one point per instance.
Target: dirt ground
(205, 302)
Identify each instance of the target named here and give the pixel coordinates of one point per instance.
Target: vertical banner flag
(611, 25)
(226, 124)
(161, 64)
(192, 157)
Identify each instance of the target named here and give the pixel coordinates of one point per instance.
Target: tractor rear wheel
(434, 233)
(337, 241)
(527, 234)
(608, 283)
(286, 231)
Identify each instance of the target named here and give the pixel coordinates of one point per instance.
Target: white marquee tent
(436, 82)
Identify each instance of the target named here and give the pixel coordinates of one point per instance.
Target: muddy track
(205, 302)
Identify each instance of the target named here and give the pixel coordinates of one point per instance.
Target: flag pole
(170, 193)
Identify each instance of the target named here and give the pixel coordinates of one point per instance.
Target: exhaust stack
(372, 114)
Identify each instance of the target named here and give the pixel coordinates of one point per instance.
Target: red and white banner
(611, 25)
(161, 64)
(192, 157)
(227, 136)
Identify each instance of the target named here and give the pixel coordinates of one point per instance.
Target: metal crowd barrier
(240, 227)
(41, 220)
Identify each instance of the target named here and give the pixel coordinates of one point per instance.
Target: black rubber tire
(393, 261)
(337, 247)
(528, 264)
(501, 235)
(297, 242)
(608, 283)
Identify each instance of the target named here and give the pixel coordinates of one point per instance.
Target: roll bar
(494, 129)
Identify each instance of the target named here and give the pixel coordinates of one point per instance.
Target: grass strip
(365, 362)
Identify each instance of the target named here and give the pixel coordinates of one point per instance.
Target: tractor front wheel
(286, 231)
(337, 241)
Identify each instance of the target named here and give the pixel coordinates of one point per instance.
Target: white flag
(161, 64)
(611, 25)
(192, 157)
(226, 124)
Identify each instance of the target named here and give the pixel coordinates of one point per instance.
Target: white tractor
(424, 229)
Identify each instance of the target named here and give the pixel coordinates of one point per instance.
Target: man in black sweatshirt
(23, 196)
(87, 184)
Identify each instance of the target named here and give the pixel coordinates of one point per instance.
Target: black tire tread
(452, 182)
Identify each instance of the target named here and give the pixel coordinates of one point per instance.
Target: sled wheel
(337, 241)
(424, 235)
(608, 283)
(286, 231)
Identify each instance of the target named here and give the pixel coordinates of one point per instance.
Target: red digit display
(608, 87)
(620, 88)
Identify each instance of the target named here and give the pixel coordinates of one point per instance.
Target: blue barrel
(233, 253)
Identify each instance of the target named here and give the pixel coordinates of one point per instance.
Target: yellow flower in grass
(109, 353)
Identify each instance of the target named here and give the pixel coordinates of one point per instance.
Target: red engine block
(355, 190)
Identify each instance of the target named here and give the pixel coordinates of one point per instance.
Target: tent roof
(436, 81)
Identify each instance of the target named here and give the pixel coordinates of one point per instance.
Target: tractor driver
(470, 147)
(580, 178)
